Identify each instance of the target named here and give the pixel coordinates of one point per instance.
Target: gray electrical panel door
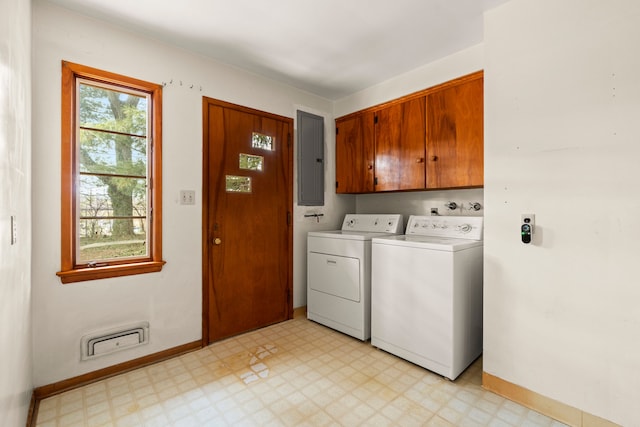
(310, 159)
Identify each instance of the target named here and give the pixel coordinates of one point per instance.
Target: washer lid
(427, 242)
(348, 235)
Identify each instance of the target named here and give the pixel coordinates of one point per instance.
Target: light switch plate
(14, 230)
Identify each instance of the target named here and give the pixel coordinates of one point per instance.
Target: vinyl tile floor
(295, 373)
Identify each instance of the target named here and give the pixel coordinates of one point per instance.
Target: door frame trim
(206, 239)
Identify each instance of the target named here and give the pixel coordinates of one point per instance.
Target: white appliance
(339, 272)
(427, 293)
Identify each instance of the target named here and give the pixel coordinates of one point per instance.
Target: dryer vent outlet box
(105, 342)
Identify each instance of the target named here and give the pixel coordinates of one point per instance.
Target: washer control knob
(465, 228)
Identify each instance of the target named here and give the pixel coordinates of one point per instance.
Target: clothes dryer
(339, 272)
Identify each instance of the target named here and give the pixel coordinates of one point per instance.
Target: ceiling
(331, 48)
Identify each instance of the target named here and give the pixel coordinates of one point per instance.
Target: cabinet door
(455, 150)
(400, 146)
(354, 154)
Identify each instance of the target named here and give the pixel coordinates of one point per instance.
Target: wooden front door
(247, 230)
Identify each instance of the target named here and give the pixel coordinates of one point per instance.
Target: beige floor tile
(296, 373)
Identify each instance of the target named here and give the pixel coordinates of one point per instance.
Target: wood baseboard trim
(300, 312)
(69, 384)
(545, 405)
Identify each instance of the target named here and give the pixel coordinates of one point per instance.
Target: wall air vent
(105, 342)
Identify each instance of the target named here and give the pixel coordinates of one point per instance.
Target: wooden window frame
(70, 270)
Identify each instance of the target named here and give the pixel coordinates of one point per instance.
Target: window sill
(83, 274)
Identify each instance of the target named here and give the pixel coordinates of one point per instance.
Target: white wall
(15, 187)
(464, 62)
(419, 202)
(562, 106)
(170, 300)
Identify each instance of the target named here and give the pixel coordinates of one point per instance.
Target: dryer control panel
(457, 227)
(381, 223)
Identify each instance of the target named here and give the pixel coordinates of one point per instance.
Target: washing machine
(339, 272)
(426, 288)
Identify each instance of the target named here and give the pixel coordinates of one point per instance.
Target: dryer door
(335, 275)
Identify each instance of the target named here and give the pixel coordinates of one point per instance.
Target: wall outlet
(187, 197)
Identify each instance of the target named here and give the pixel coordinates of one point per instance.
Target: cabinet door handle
(420, 160)
(434, 158)
(370, 167)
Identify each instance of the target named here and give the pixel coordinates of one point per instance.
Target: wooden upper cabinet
(355, 153)
(400, 146)
(455, 148)
(432, 139)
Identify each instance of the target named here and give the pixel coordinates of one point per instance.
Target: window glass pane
(102, 152)
(112, 190)
(112, 110)
(247, 161)
(238, 184)
(264, 142)
(106, 245)
(111, 211)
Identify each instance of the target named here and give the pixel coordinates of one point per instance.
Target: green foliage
(264, 142)
(250, 162)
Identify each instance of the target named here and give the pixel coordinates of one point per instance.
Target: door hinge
(288, 140)
(337, 130)
(288, 218)
(336, 184)
(375, 119)
(375, 181)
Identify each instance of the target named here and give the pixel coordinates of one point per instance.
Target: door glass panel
(238, 184)
(249, 162)
(264, 142)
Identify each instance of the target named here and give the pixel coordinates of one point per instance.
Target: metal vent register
(112, 340)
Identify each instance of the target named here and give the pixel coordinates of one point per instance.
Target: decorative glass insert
(238, 184)
(249, 162)
(264, 142)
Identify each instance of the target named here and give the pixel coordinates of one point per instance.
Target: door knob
(217, 240)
